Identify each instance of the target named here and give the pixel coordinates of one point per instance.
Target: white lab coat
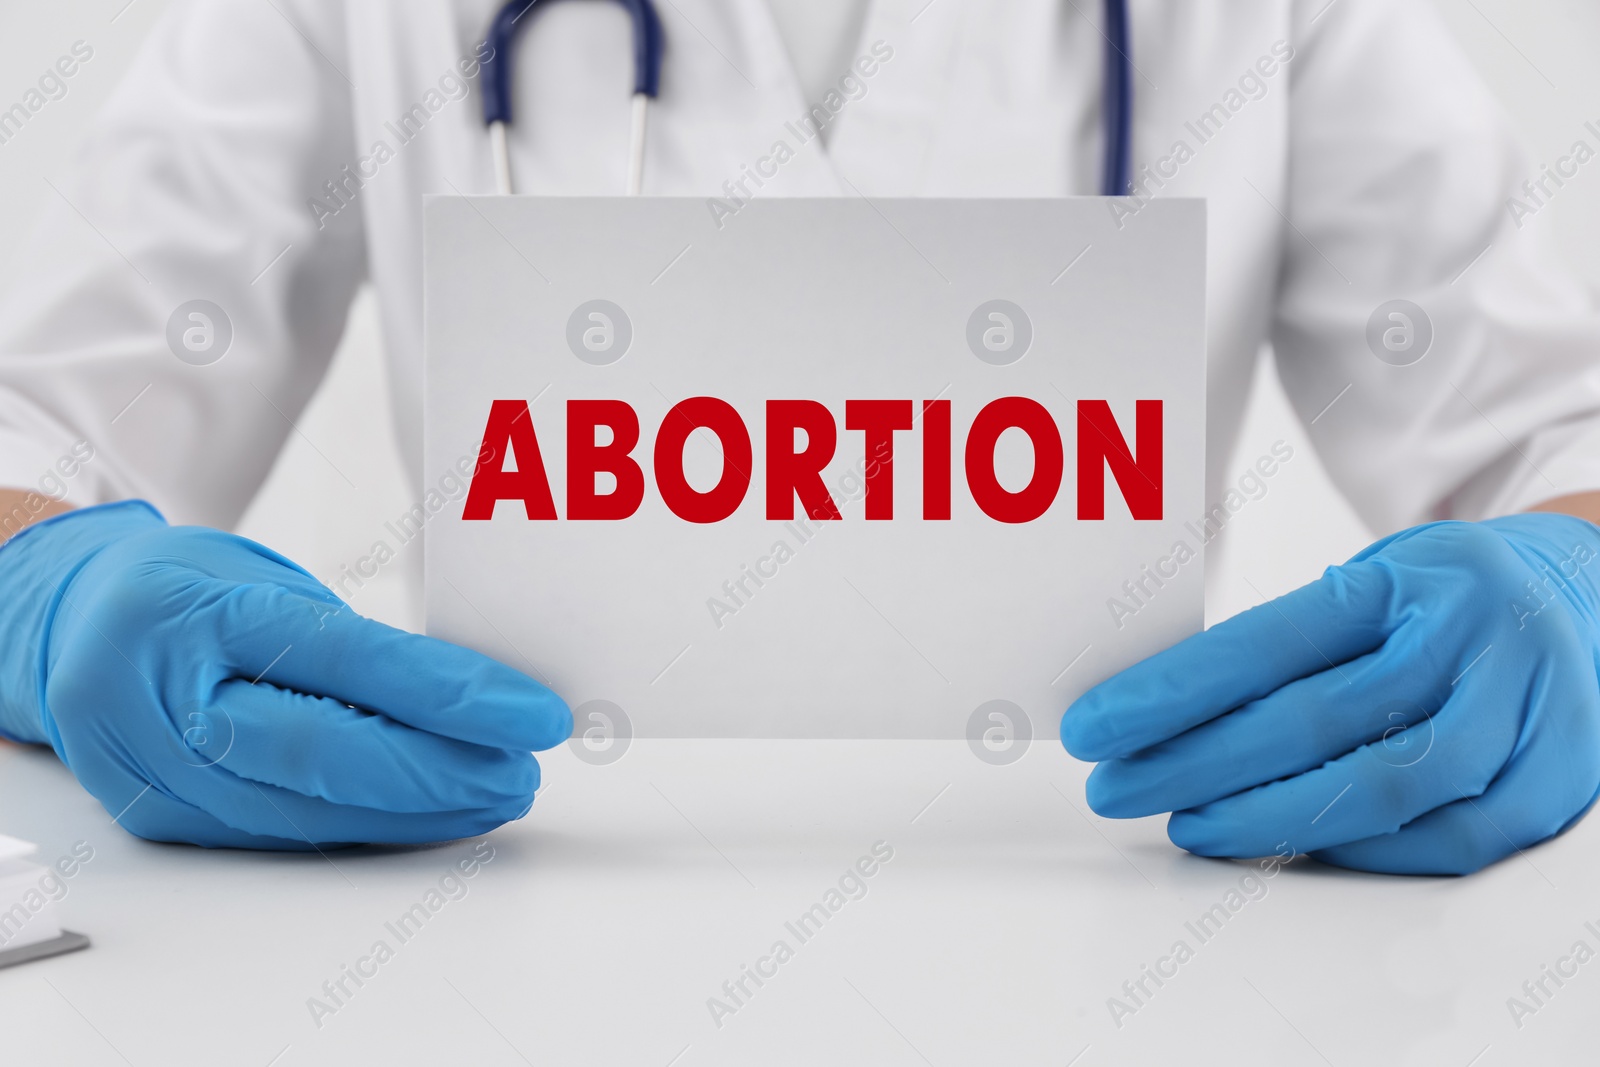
(1374, 166)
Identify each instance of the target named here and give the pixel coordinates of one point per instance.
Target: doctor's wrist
(1563, 552)
(21, 508)
(37, 566)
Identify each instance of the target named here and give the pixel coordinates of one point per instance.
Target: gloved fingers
(320, 747)
(1342, 615)
(1374, 790)
(153, 815)
(270, 811)
(1472, 832)
(1290, 731)
(1459, 838)
(123, 786)
(298, 643)
(1548, 785)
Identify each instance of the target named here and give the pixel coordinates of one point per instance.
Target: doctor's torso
(968, 100)
(272, 158)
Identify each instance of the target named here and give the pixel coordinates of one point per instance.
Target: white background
(1537, 54)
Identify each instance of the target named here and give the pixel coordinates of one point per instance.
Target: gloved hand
(1427, 708)
(207, 690)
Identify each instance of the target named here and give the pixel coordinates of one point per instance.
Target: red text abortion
(794, 475)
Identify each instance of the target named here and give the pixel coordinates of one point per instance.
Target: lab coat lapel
(399, 52)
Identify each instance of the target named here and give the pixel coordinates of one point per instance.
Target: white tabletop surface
(1006, 919)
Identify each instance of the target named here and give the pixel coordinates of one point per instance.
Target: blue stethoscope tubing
(499, 68)
(648, 44)
(1117, 102)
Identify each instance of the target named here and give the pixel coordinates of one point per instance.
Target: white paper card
(915, 625)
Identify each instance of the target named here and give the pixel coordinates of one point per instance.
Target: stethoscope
(1117, 91)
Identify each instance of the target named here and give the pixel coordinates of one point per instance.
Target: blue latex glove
(205, 689)
(1427, 708)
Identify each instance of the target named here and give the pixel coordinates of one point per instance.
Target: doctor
(271, 157)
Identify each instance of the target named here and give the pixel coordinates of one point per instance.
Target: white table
(606, 919)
